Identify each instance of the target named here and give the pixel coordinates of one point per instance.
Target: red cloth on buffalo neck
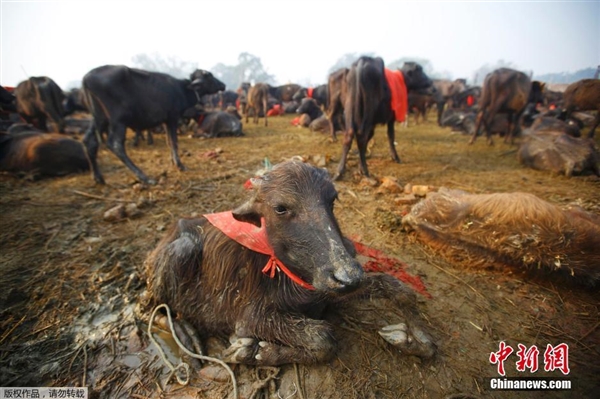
(255, 239)
(399, 102)
(309, 92)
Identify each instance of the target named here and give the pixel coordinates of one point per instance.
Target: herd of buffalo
(353, 101)
(270, 302)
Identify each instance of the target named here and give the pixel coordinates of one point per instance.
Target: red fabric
(309, 92)
(470, 100)
(201, 119)
(237, 103)
(393, 267)
(399, 103)
(295, 121)
(275, 111)
(255, 239)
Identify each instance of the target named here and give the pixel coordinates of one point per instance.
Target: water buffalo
(26, 149)
(310, 107)
(39, 100)
(258, 102)
(219, 124)
(319, 94)
(504, 91)
(284, 93)
(121, 97)
(336, 89)
(583, 95)
(224, 289)
(446, 91)
(373, 98)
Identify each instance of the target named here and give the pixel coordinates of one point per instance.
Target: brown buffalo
(258, 102)
(336, 89)
(510, 229)
(41, 154)
(221, 289)
(504, 91)
(583, 95)
(39, 100)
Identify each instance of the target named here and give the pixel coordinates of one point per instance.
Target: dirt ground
(71, 280)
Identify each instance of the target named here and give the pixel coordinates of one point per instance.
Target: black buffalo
(336, 89)
(39, 100)
(121, 97)
(368, 103)
(284, 93)
(309, 106)
(319, 94)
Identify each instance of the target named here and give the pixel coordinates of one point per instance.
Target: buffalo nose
(348, 279)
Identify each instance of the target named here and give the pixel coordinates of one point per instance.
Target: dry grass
(70, 280)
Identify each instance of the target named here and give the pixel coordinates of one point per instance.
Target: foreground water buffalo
(40, 154)
(510, 229)
(39, 100)
(258, 102)
(558, 152)
(583, 95)
(376, 95)
(222, 288)
(504, 91)
(120, 97)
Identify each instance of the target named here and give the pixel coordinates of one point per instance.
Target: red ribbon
(255, 239)
(309, 92)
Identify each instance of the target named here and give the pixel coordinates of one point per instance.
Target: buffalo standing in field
(202, 271)
(40, 100)
(446, 91)
(583, 95)
(27, 150)
(504, 91)
(258, 102)
(121, 97)
(336, 89)
(370, 100)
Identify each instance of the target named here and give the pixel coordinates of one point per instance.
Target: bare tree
(248, 69)
(170, 65)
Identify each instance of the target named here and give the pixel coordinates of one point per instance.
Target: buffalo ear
(247, 212)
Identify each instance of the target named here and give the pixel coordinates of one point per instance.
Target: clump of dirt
(71, 280)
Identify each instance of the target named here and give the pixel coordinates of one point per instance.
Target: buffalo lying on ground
(509, 229)
(223, 289)
(504, 91)
(219, 124)
(36, 153)
(39, 100)
(309, 106)
(559, 153)
(319, 94)
(583, 95)
(120, 97)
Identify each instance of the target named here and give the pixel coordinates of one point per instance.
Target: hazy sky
(297, 41)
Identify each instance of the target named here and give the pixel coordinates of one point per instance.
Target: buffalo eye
(280, 210)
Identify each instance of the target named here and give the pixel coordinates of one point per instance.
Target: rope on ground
(182, 365)
(261, 383)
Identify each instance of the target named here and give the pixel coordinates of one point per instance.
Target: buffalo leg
(138, 136)
(596, 123)
(362, 140)
(391, 139)
(116, 143)
(348, 137)
(90, 143)
(307, 341)
(172, 142)
(410, 335)
(266, 108)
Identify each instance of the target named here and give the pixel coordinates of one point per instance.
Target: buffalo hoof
(241, 350)
(409, 340)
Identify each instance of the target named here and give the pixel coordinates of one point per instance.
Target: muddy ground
(71, 280)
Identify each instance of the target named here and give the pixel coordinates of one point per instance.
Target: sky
(297, 41)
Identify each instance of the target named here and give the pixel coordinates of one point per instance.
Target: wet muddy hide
(510, 229)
